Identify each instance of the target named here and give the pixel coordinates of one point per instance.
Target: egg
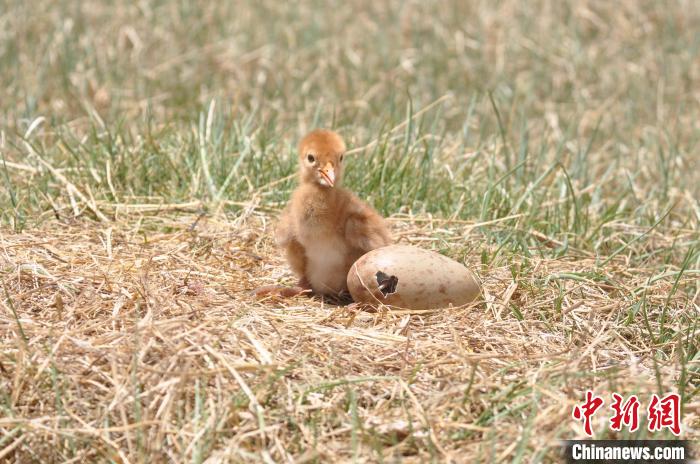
(412, 278)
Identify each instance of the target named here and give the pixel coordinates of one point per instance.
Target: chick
(325, 228)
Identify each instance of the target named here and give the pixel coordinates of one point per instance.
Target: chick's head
(321, 158)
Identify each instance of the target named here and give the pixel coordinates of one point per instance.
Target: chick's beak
(328, 174)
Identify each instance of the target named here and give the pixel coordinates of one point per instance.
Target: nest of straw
(140, 341)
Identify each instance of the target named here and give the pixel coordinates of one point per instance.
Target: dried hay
(140, 341)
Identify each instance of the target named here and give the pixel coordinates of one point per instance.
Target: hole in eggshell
(387, 284)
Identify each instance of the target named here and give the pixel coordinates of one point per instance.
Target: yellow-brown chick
(325, 228)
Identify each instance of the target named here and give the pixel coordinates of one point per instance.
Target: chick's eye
(341, 158)
(310, 158)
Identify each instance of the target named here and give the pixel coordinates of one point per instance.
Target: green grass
(558, 135)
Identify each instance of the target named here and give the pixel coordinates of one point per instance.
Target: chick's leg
(297, 261)
(296, 256)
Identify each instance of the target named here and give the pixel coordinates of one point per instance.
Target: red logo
(662, 412)
(586, 411)
(665, 412)
(625, 414)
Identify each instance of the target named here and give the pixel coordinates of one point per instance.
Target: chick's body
(326, 228)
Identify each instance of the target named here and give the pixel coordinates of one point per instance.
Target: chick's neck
(321, 196)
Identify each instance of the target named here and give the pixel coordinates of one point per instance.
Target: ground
(147, 150)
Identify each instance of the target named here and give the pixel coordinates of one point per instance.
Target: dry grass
(132, 344)
(147, 147)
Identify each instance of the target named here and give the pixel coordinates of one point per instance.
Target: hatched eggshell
(412, 278)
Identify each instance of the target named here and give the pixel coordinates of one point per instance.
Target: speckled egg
(412, 278)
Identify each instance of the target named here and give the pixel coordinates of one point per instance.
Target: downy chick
(325, 228)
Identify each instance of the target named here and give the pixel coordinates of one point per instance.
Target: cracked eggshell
(412, 278)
